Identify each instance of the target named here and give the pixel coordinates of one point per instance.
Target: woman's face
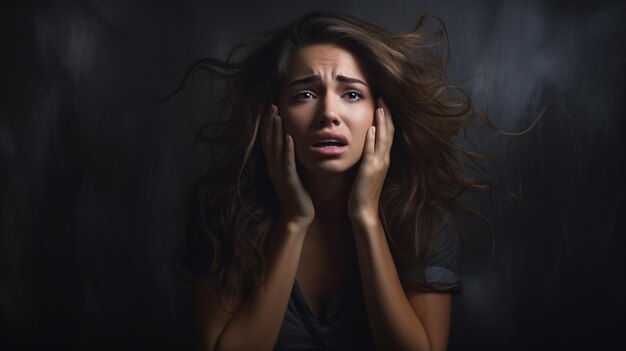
(327, 107)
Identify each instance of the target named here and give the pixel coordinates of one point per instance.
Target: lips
(329, 139)
(329, 143)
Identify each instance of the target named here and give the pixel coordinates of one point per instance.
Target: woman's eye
(303, 95)
(353, 95)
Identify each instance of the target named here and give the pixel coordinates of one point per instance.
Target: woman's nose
(329, 113)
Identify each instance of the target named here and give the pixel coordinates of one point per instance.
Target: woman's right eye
(303, 95)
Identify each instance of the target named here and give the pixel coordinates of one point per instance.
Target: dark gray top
(344, 324)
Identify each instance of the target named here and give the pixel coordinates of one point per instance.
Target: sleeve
(196, 255)
(440, 272)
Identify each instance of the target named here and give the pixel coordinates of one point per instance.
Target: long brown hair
(428, 171)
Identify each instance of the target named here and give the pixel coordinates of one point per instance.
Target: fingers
(369, 151)
(381, 135)
(272, 140)
(267, 132)
(277, 139)
(290, 157)
(384, 135)
(389, 123)
(279, 150)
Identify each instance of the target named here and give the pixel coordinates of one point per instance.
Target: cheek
(296, 129)
(362, 126)
(291, 126)
(295, 121)
(360, 131)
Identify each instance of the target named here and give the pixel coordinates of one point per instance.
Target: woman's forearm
(256, 323)
(395, 325)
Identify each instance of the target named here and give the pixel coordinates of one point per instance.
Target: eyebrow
(316, 78)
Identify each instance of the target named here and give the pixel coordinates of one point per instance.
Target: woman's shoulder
(446, 247)
(441, 271)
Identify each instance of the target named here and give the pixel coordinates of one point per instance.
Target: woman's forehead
(324, 60)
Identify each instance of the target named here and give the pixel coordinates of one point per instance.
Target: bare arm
(400, 320)
(256, 322)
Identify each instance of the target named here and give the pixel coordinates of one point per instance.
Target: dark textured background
(94, 173)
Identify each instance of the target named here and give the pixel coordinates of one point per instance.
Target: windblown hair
(237, 203)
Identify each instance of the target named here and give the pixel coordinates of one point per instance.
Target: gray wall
(94, 172)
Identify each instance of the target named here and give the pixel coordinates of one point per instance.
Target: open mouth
(329, 144)
(329, 147)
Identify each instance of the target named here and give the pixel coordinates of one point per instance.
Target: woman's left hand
(368, 184)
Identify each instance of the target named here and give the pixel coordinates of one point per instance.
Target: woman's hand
(295, 202)
(368, 184)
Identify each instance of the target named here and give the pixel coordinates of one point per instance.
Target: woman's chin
(330, 167)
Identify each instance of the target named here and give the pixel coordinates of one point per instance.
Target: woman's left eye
(303, 95)
(353, 95)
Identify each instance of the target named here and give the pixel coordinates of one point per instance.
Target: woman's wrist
(365, 218)
(295, 224)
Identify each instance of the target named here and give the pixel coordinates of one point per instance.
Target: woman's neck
(329, 193)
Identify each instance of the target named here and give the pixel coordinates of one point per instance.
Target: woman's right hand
(295, 201)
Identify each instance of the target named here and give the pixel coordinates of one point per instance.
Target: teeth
(328, 143)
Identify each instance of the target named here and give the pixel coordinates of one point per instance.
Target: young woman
(325, 223)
